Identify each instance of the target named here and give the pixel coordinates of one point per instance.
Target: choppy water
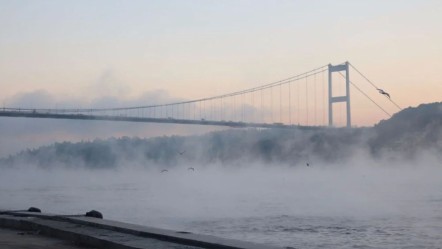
(352, 207)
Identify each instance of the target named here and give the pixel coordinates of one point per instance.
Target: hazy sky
(83, 52)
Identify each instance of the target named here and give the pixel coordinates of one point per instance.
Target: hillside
(410, 131)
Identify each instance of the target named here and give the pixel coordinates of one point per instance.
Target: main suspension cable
(360, 90)
(371, 83)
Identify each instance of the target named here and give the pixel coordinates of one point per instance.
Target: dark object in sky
(191, 168)
(181, 153)
(308, 164)
(383, 92)
(164, 170)
(94, 214)
(34, 210)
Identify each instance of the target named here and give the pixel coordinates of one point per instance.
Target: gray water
(354, 206)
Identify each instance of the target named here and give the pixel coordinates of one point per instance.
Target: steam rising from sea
(363, 202)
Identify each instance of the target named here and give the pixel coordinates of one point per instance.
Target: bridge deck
(235, 124)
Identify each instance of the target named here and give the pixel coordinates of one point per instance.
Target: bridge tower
(345, 98)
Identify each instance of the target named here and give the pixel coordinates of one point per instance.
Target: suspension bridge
(303, 101)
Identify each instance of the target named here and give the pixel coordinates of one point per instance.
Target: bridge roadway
(235, 124)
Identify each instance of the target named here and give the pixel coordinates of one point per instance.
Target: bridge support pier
(345, 98)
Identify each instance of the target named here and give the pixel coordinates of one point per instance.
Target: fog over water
(376, 184)
(367, 188)
(361, 203)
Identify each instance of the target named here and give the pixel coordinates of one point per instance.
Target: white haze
(377, 187)
(17, 135)
(181, 199)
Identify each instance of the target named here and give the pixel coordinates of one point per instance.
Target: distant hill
(407, 133)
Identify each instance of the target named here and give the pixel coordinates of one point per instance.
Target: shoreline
(102, 233)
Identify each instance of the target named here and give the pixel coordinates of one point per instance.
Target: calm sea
(356, 206)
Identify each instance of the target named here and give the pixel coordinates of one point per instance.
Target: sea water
(302, 207)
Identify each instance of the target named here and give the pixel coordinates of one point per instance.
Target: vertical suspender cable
(234, 108)
(297, 98)
(280, 103)
(271, 102)
(290, 103)
(323, 99)
(306, 98)
(253, 106)
(243, 107)
(314, 92)
(262, 108)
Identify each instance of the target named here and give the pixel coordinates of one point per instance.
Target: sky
(111, 53)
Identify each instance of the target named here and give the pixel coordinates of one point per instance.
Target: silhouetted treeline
(408, 132)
